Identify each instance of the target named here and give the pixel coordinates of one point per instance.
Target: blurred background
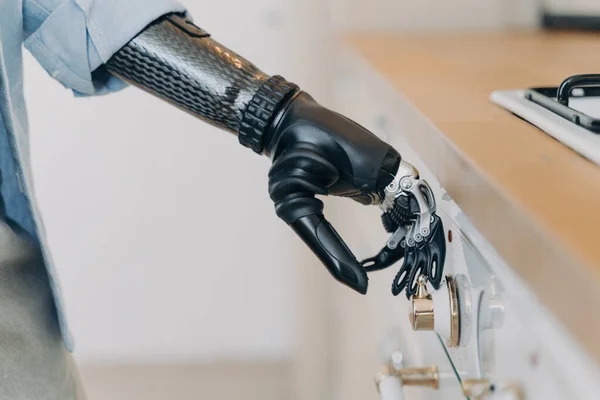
(179, 279)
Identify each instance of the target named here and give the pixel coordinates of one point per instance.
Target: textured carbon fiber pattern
(178, 62)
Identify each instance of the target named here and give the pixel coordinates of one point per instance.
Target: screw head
(392, 186)
(425, 231)
(406, 183)
(418, 238)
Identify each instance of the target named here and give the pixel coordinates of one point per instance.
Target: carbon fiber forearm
(177, 61)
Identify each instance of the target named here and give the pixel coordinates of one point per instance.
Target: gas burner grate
(558, 99)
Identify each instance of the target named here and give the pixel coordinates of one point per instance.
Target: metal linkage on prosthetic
(408, 183)
(417, 232)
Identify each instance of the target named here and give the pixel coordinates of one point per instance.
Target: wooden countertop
(534, 199)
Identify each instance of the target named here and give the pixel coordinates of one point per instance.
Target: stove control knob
(491, 314)
(391, 380)
(438, 311)
(421, 307)
(427, 377)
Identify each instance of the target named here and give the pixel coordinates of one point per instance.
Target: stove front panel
(507, 337)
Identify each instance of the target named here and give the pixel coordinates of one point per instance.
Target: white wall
(434, 14)
(161, 226)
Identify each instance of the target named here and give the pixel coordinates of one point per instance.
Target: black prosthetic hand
(318, 152)
(314, 151)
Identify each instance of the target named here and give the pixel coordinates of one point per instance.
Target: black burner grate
(557, 99)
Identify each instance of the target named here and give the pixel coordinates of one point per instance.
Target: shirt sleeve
(71, 39)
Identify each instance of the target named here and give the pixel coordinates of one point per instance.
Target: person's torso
(16, 191)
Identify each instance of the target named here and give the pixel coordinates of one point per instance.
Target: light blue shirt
(71, 39)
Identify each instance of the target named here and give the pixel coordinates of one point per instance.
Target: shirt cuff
(81, 35)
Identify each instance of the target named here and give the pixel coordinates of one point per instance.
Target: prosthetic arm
(314, 150)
